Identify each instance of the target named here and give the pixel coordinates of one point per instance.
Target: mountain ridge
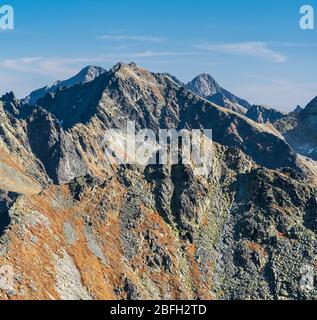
(87, 74)
(75, 227)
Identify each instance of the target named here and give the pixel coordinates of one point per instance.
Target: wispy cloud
(59, 67)
(41, 65)
(253, 49)
(131, 38)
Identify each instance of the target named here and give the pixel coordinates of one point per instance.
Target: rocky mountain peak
(126, 71)
(86, 75)
(204, 85)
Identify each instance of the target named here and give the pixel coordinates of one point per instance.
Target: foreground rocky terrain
(74, 227)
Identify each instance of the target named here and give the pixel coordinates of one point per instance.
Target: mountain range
(74, 227)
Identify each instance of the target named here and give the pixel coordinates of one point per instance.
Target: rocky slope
(75, 227)
(263, 114)
(220, 100)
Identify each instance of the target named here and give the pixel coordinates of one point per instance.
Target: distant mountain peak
(87, 74)
(206, 86)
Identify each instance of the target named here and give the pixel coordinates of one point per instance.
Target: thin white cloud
(131, 38)
(253, 49)
(23, 74)
(41, 65)
(58, 67)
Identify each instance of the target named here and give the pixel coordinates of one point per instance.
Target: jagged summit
(87, 74)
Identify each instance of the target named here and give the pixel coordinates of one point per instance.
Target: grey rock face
(54, 147)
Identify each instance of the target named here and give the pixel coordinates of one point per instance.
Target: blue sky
(253, 48)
